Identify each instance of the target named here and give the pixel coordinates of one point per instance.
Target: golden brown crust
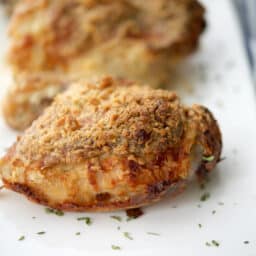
(109, 144)
(34, 196)
(134, 39)
(209, 137)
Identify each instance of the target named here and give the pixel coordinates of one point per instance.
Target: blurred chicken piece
(29, 95)
(111, 144)
(9, 5)
(135, 39)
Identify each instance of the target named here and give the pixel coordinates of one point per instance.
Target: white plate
(219, 76)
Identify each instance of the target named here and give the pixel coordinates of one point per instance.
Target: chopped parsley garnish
(33, 217)
(54, 211)
(87, 220)
(200, 225)
(153, 234)
(222, 159)
(21, 238)
(246, 242)
(213, 212)
(220, 203)
(41, 233)
(118, 218)
(215, 243)
(202, 186)
(208, 158)
(128, 236)
(130, 218)
(118, 228)
(205, 196)
(115, 247)
(78, 233)
(199, 206)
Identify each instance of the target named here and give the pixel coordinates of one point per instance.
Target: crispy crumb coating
(110, 144)
(135, 39)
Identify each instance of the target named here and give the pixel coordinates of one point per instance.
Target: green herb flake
(220, 203)
(78, 233)
(205, 196)
(33, 217)
(200, 225)
(41, 233)
(118, 228)
(246, 242)
(118, 218)
(59, 213)
(202, 186)
(21, 238)
(213, 212)
(208, 244)
(208, 158)
(87, 220)
(54, 211)
(115, 247)
(49, 210)
(153, 234)
(215, 243)
(127, 235)
(199, 206)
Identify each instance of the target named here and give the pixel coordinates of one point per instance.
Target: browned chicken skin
(110, 144)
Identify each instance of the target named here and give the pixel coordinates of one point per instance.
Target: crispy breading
(134, 39)
(110, 144)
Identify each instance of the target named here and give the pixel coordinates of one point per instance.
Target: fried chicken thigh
(111, 144)
(133, 39)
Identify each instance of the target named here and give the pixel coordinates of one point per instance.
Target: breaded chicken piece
(29, 95)
(109, 145)
(135, 39)
(9, 5)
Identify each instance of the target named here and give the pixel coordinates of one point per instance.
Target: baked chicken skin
(135, 39)
(111, 144)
